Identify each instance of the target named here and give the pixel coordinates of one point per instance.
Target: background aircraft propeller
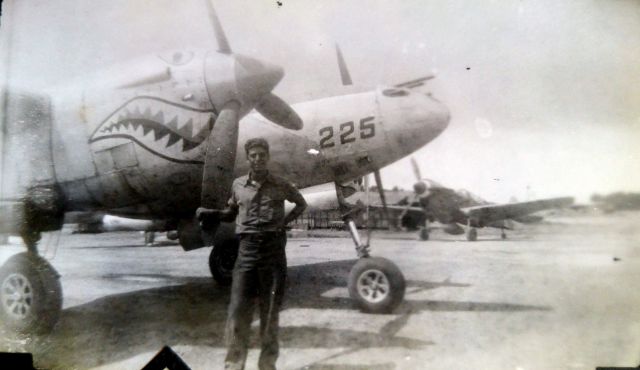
(420, 186)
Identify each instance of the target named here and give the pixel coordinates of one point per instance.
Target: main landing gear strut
(376, 284)
(30, 292)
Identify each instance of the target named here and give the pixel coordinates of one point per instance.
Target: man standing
(257, 204)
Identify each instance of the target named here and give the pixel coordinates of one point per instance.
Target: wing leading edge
(486, 214)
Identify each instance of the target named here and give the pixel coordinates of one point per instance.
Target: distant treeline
(617, 201)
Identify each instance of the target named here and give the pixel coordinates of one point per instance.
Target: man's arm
(296, 198)
(225, 215)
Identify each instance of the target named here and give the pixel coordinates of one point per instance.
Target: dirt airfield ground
(562, 294)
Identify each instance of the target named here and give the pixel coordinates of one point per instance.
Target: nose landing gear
(375, 284)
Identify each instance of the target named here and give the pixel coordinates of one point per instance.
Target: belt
(263, 233)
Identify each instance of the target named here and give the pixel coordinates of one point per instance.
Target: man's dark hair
(258, 141)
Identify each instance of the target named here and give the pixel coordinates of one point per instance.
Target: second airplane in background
(434, 202)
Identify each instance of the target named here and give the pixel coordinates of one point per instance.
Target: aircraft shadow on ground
(157, 244)
(193, 312)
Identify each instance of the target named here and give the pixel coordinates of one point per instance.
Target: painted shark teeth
(139, 123)
(171, 130)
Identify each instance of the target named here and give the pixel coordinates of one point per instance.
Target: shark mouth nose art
(169, 130)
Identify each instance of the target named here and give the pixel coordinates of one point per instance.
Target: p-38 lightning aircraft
(434, 202)
(158, 141)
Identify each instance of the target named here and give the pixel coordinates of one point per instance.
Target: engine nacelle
(44, 208)
(40, 210)
(31, 201)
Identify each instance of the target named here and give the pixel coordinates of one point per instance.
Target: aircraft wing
(487, 214)
(326, 199)
(399, 208)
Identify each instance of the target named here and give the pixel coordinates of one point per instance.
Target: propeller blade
(344, 71)
(420, 186)
(416, 169)
(279, 112)
(221, 38)
(220, 157)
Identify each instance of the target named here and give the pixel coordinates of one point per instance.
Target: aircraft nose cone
(413, 120)
(255, 78)
(440, 117)
(429, 117)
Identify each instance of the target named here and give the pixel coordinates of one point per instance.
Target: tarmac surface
(562, 294)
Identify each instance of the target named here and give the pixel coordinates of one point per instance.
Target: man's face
(258, 157)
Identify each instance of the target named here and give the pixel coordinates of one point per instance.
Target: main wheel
(472, 235)
(424, 234)
(149, 238)
(172, 235)
(30, 294)
(376, 284)
(222, 259)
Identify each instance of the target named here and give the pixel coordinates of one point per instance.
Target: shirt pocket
(271, 205)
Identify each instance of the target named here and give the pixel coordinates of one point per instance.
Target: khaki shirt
(261, 206)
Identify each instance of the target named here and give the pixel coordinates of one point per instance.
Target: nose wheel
(376, 285)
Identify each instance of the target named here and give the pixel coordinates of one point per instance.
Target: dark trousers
(259, 274)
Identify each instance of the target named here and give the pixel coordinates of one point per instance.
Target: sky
(544, 95)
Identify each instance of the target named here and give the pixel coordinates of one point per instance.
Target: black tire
(149, 238)
(472, 235)
(39, 295)
(222, 259)
(172, 235)
(388, 285)
(424, 234)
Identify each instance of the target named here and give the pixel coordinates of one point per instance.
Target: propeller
(269, 105)
(220, 157)
(251, 87)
